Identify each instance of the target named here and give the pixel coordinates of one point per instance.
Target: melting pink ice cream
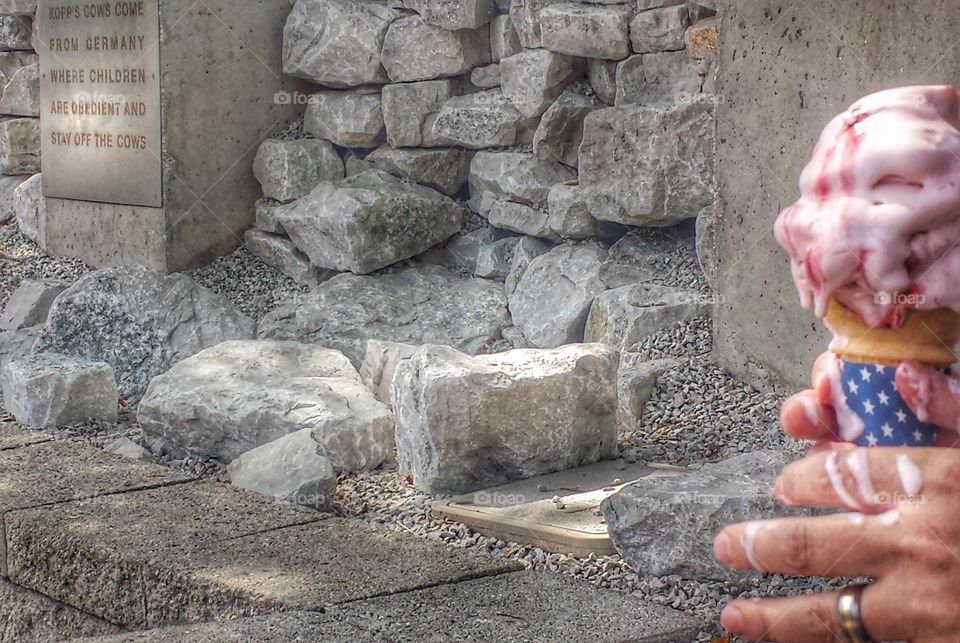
(878, 222)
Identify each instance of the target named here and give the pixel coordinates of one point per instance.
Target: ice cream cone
(926, 336)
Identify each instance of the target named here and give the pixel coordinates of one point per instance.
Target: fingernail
(732, 620)
(722, 548)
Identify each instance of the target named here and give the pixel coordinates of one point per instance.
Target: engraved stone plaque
(100, 100)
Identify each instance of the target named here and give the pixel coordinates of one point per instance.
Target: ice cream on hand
(874, 244)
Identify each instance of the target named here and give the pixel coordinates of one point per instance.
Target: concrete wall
(786, 68)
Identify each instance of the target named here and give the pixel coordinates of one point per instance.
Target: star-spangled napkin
(871, 393)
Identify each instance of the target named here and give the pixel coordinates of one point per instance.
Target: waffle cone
(926, 336)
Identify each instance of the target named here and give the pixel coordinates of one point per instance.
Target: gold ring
(851, 616)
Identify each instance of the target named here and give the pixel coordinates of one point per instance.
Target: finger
(815, 618)
(871, 480)
(805, 418)
(828, 546)
(932, 396)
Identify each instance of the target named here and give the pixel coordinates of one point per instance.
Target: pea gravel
(697, 414)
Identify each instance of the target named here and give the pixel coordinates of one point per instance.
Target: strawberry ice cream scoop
(877, 225)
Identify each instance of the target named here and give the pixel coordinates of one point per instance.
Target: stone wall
(784, 70)
(19, 100)
(562, 121)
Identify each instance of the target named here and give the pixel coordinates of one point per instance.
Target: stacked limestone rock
(462, 170)
(19, 113)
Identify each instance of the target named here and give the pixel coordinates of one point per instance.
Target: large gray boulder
(466, 423)
(454, 14)
(518, 177)
(8, 186)
(53, 390)
(560, 132)
(30, 303)
(570, 217)
(503, 38)
(525, 16)
(288, 170)
(526, 250)
(415, 50)
(479, 121)
(369, 221)
(426, 305)
(602, 75)
(636, 381)
(15, 32)
(648, 165)
(15, 344)
(278, 251)
(140, 322)
(19, 145)
(443, 169)
(351, 118)
(30, 209)
(666, 525)
(625, 316)
(533, 79)
(289, 469)
(380, 365)
(336, 43)
(553, 297)
(587, 30)
(229, 399)
(20, 95)
(661, 79)
(661, 29)
(410, 109)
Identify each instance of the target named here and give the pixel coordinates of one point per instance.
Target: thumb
(933, 396)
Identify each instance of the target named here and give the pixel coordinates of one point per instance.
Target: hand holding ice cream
(874, 245)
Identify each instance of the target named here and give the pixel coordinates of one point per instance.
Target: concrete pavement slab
(13, 436)
(26, 616)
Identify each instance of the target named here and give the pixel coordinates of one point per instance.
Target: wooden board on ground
(558, 512)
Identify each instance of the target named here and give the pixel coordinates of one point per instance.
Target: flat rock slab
(204, 551)
(523, 606)
(95, 553)
(28, 616)
(525, 512)
(14, 437)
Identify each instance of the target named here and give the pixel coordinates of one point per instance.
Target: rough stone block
(51, 390)
(602, 75)
(560, 132)
(525, 16)
(667, 525)
(504, 41)
(380, 364)
(443, 169)
(288, 468)
(410, 109)
(8, 187)
(336, 43)
(351, 118)
(623, 317)
(643, 165)
(486, 77)
(15, 344)
(265, 216)
(238, 395)
(507, 416)
(553, 297)
(19, 145)
(288, 170)
(279, 252)
(454, 14)
(635, 385)
(140, 322)
(30, 209)
(20, 95)
(532, 80)
(658, 30)
(569, 215)
(422, 305)
(30, 303)
(15, 32)
(494, 259)
(586, 30)
(478, 121)
(414, 50)
(369, 221)
(528, 249)
(517, 177)
(664, 78)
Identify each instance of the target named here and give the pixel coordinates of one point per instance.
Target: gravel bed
(21, 259)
